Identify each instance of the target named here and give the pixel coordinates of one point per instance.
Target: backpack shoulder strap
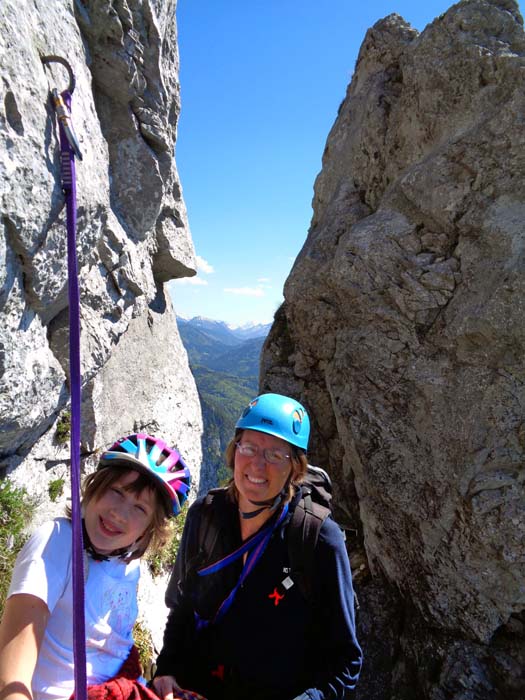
(208, 530)
(303, 533)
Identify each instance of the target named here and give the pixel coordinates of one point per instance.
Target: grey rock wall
(403, 332)
(132, 235)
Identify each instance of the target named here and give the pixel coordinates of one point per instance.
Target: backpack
(312, 509)
(314, 506)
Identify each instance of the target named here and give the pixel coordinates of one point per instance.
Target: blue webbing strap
(67, 158)
(255, 546)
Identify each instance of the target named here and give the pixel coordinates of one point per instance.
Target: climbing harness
(69, 148)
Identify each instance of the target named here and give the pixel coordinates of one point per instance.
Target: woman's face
(118, 518)
(257, 479)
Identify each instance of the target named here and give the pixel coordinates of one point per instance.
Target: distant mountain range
(224, 332)
(216, 346)
(225, 364)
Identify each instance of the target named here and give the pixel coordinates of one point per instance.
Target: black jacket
(266, 646)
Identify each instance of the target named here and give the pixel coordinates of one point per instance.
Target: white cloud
(204, 265)
(246, 291)
(193, 281)
(262, 280)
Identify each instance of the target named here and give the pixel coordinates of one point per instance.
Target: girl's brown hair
(158, 531)
(297, 458)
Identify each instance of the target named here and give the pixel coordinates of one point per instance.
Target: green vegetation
(223, 396)
(232, 357)
(63, 429)
(56, 489)
(241, 361)
(160, 562)
(226, 371)
(16, 510)
(144, 643)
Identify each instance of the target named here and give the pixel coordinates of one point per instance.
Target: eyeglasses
(271, 454)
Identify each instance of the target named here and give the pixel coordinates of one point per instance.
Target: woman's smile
(257, 479)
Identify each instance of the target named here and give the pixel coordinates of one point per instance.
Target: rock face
(132, 234)
(403, 332)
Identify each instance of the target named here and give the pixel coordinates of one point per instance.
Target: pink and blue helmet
(152, 456)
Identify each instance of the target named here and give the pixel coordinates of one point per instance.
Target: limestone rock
(132, 225)
(402, 331)
(132, 236)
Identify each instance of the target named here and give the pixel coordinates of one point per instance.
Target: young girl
(140, 482)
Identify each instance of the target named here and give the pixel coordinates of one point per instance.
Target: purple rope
(67, 157)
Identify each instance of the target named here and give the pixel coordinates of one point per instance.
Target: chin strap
(88, 546)
(122, 553)
(271, 503)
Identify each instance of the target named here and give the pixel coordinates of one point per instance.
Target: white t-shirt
(43, 569)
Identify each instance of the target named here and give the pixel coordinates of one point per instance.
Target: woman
(240, 627)
(139, 484)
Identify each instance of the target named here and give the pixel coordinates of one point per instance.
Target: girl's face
(257, 479)
(119, 517)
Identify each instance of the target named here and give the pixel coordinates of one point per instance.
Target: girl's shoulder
(43, 564)
(50, 542)
(53, 534)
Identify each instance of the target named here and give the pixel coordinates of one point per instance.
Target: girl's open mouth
(109, 529)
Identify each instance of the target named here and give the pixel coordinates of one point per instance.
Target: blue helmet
(277, 415)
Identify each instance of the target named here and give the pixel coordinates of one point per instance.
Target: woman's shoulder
(208, 513)
(331, 534)
(218, 498)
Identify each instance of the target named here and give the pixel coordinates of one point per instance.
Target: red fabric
(131, 667)
(120, 689)
(124, 686)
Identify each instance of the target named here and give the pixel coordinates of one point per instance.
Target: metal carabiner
(58, 59)
(61, 109)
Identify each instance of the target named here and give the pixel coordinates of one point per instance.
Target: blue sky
(261, 82)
